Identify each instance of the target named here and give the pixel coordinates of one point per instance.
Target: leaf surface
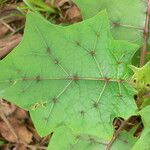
(73, 76)
(127, 17)
(72, 141)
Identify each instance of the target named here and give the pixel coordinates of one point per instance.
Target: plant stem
(116, 134)
(146, 34)
(8, 125)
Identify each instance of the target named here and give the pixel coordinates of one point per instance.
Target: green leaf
(1, 143)
(39, 5)
(73, 76)
(72, 141)
(141, 76)
(144, 141)
(127, 16)
(141, 81)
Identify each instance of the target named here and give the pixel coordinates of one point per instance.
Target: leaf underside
(73, 76)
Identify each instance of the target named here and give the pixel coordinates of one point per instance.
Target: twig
(45, 139)
(147, 95)
(17, 30)
(146, 34)
(8, 124)
(117, 134)
(32, 147)
(8, 26)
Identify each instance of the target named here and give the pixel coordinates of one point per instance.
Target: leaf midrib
(73, 78)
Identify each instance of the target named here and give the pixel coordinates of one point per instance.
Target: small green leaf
(1, 143)
(39, 5)
(144, 141)
(73, 76)
(141, 77)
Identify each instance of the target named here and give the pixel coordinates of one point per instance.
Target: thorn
(115, 24)
(56, 61)
(24, 78)
(78, 43)
(38, 78)
(119, 62)
(75, 77)
(92, 141)
(48, 50)
(11, 80)
(45, 119)
(120, 95)
(95, 105)
(121, 80)
(78, 137)
(97, 34)
(92, 53)
(107, 79)
(82, 112)
(54, 100)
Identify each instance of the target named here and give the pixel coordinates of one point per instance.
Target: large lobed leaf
(65, 139)
(127, 17)
(73, 76)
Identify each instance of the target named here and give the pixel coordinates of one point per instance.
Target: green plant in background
(2, 2)
(39, 5)
(1, 143)
(141, 80)
(128, 21)
(127, 17)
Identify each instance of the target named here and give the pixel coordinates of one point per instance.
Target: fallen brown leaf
(6, 133)
(73, 14)
(7, 108)
(69, 10)
(21, 114)
(61, 3)
(3, 30)
(23, 134)
(7, 44)
(20, 147)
